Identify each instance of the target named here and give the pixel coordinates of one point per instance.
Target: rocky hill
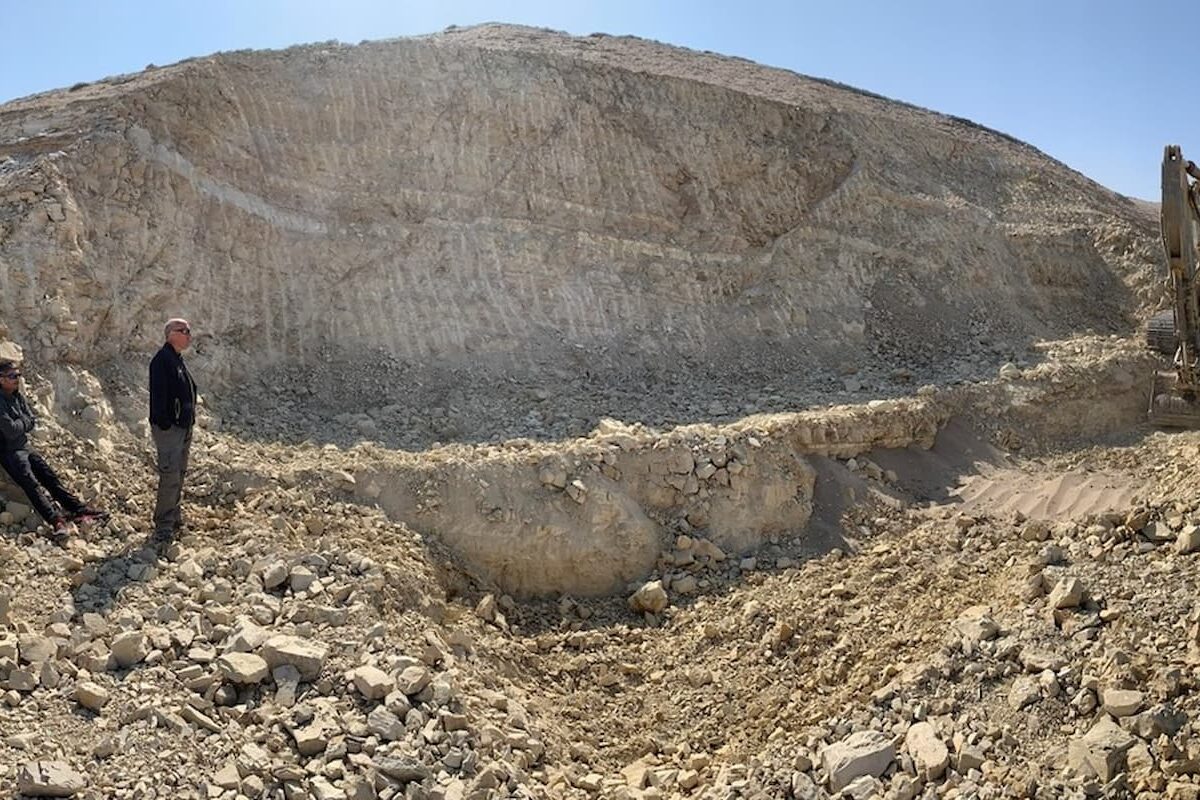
(561, 225)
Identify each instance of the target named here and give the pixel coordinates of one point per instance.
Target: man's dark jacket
(16, 421)
(172, 391)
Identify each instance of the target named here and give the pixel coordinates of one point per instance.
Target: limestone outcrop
(520, 209)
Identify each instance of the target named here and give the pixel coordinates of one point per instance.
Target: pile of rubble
(295, 644)
(220, 665)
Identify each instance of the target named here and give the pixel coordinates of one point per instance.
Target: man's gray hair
(172, 324)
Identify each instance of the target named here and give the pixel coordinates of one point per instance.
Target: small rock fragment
(287, 683)
(413, 679)
(863, 753)
(928, 751)
(128, 649)
(37, 649)
(1188, 540)
(301, 578)
(371, 682)
(976, 624)
(1101, 751)
(402, 769)
(243, 668)
(49, 779)
(306, 656)
(274, 575)
(1122, 702)
(651, 598)
(1067, 593)
(1025, 691)
(91, 695)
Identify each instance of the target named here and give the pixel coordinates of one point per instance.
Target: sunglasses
(10, 375)
(184, 331)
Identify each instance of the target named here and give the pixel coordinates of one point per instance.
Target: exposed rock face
(504, 200)
(605, 526)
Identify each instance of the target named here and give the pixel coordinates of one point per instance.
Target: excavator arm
(1175, 394)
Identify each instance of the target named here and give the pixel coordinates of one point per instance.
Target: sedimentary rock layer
(503, 199)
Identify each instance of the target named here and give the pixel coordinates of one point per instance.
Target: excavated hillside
(500, 232)
(585, 418)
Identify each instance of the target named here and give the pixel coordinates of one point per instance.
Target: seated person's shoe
(60, 530)
(88, 515)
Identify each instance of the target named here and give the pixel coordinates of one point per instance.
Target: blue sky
(1101, 85)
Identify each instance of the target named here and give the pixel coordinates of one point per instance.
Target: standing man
(26, 466)
(172, 414)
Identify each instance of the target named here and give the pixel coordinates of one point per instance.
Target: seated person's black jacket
(16, 421)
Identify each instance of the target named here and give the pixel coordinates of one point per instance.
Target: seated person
(27, 468)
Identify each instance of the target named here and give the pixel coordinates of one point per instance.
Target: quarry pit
(613, 420)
